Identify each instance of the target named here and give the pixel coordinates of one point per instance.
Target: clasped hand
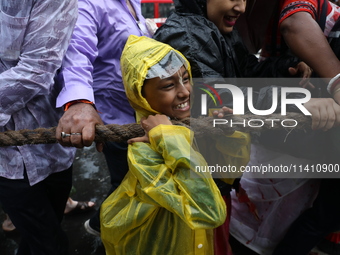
(149, 123)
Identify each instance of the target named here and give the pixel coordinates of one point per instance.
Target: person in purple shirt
(35, 180)
(92, 90)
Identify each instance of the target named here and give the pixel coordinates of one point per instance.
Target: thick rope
(201, 126)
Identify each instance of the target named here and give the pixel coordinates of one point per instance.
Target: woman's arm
(306, 40)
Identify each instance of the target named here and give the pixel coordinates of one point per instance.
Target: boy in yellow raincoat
(163, 206)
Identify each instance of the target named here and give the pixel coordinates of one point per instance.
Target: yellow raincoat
(162, 207)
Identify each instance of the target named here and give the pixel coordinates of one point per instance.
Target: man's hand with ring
(78, 125)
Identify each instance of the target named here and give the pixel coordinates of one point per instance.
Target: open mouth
(183, 105)
(230, 20)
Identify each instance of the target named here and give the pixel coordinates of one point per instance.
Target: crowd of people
(77, 64)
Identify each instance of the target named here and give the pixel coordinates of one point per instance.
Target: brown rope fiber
(201, 126)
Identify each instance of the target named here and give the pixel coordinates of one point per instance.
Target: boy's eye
(167, 86)
(185, 79)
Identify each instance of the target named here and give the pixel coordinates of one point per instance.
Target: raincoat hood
(191, 6)
(138, 56)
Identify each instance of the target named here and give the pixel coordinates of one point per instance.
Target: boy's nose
(183, 92)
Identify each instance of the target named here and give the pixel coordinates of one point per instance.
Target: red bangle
(67, 105)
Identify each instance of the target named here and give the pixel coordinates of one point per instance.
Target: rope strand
(201, 126)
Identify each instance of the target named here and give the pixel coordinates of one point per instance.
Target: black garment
(214, 55)
(116, 159)
(315, 223)
(37, 212)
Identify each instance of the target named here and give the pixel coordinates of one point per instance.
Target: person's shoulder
(93, 4)
(187, 23)
(174, 24)
(175, 18)
(98, 9)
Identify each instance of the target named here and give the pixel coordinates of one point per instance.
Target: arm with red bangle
(82, 117)
(76, 76)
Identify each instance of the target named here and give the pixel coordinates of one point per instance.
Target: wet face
(170, 96)
(224, 13)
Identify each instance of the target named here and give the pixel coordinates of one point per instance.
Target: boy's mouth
(183, 105)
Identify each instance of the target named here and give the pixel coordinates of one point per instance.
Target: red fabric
(334, 237)
(286, 9)
(289, 7)
(221, 234)
(243, 198)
